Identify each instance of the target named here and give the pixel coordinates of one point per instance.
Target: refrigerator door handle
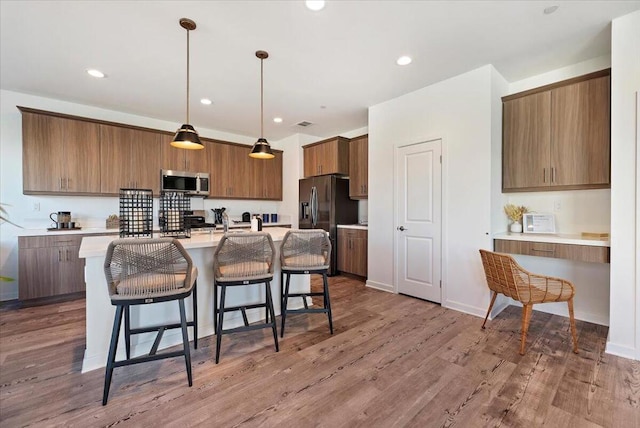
(314, 206)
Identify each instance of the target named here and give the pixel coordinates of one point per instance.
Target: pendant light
(186, 137)
(261, 149)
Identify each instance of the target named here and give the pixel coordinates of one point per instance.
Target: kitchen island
(100, 312)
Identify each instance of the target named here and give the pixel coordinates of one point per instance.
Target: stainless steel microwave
(192, 183)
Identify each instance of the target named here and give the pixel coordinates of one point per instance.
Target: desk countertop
(553, 239)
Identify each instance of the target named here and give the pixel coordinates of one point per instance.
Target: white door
(418, 185)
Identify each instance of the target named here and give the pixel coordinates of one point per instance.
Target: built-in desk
(571, 247)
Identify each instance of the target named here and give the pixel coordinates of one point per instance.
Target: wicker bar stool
(305, 252)
(145, 271)
(243, 259)
(505, 276)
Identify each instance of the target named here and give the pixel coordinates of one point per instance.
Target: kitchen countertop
(104, 230)
(353, 226)
(96, 246)
(558, 238)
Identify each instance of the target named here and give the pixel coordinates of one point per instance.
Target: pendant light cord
(187, 76)
(261, 98)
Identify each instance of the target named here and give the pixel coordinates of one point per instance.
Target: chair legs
(185, 340)
(194, 296)
(572, 321)
(325, 298)
(493, 300)
(526, 317)
(218, 315)
(123, 310)
(113, 346)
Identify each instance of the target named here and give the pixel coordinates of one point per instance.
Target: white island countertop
(96, 246)
(353, 226)
(553, 239)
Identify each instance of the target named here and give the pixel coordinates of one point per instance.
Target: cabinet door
(219, 157)
(42, 153)
(311, 167)
(71, 271)
(146, 159)
(81, 156)
(272, 183)
(580, 153)
(39, 270)
(240, 179)
(344, 258)
(115, 155)
(172, 157)
(358, 168)
(526, 142)
(358, 252)
(197, 160)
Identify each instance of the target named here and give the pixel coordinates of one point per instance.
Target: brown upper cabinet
(235, 175)
(359, 167)
(75, 155)
(329, 156)
(130, 159)
(59, 155)
(557, 137)
(184, 160)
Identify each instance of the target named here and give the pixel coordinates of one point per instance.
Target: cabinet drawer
(49, 241)
(352, 233)
(583, 253)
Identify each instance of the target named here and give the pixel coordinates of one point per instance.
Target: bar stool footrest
(308, 311)
(145, 358)
(246, 328)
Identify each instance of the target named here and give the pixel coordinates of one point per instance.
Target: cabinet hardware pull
(543, 251)
(553, 174)
(59, 255)
(60, 183)
(544, 175)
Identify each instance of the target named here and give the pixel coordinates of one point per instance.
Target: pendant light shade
(261, 149)
(186, 137)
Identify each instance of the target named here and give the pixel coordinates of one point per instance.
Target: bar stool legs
(218, 316)
(325, 298)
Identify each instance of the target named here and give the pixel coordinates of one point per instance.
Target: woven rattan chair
(305, 252)
(144, 271)
(243, 259)
(507, 277)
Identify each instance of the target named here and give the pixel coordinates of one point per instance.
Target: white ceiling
(342, 58)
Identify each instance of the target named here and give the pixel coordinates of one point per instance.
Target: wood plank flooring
(393, 361)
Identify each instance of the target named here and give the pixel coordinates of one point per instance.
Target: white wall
(459, 111)
(92, 211)
(624, 327)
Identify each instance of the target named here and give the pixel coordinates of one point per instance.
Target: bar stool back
(305, 252)
(145, 271)
(243, 259)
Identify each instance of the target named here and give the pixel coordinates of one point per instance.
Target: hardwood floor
(393, 361)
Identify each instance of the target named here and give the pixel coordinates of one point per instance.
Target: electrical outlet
(36, 206)
(557, 205)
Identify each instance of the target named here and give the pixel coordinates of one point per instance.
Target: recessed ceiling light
(206, 101)
(95, 73)
(549, 10)
(277, 119)
(314, 5)
(404, 60)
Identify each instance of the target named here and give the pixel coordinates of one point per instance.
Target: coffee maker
(62, 220)
(217, 215)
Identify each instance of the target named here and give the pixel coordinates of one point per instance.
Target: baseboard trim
(380, 286)
(467, 309)
(622, 351)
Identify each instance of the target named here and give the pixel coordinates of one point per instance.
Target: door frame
(443, 212)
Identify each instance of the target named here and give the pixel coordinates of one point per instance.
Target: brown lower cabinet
(582, 253)
(352, 251)
(49, 266)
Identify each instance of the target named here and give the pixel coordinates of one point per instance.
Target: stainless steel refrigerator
(325, 203)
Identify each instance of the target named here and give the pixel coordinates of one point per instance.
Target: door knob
(401, 228)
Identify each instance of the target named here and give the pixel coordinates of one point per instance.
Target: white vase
(515, 227)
